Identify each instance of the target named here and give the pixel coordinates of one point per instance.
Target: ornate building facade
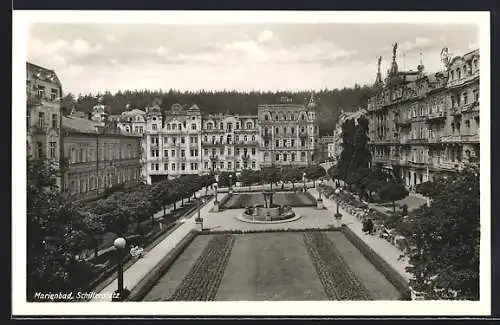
(183, 141)
(425, 125)
(289, 133)
(97, 155)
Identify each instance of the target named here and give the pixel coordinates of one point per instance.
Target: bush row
(149, 281)
(338, 280)
(252, 231)
(203, 280)
(398, 281)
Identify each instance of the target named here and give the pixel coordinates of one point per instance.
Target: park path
(138, 270)
(390, 253)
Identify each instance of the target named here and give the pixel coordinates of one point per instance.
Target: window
(172, 153)
(54, 121)
(191, 153)
(266, 117)
(183, 153)
(253, 163)
(238, 164)
(277, 143)
(191, 165)
(193, 126)
(213, 152)
(292, 130)
(237, 151)
(465, 98)
(174, 126)
(183, 140)
(209, 126)
(303, 143)
(303, 117)
(41, 119)
(229, 165)
(253, 137)
(221, 150)
(475, 93)
(154, 126)
(228, 140)
(52, 150)
(277, 157)
(229, 127)
(302, 156)
(452, 75)
(154, 140)
(168, 126)
(194, 139)
(266, 143)
(237, 125)
(253, 151)
(276, 130)
(206, 152)
(249, 125)
(276, 117)
(221, 126)
(229, 151)
(236, 138)
(165, 167)
(245, 138)
(293, 157)
(292, 143)
(467, 124)
(221, 165)
(206, 164)
(285, 156)
(173, 167)
(40, 91)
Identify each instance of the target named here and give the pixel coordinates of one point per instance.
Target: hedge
(148, 282)
(252, 231)
(396, 279)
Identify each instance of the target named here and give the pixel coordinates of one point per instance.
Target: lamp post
(338, 216)
(230, 181)
(199, 220)
(216, 202)
(120, 244)
(319, 188)
(304, 179)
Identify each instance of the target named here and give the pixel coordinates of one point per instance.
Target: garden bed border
(396, 279)
(147, 283)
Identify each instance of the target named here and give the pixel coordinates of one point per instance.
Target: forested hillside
(330, 102)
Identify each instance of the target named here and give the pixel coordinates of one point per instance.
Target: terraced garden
(242, 200)
(315, 265)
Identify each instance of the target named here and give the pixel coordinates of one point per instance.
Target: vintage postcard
(251, 163)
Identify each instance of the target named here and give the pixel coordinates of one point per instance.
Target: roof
(42, 73)
(134, 111)
(77, 124)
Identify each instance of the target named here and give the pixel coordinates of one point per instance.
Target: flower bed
(338, 280)
(203, 280)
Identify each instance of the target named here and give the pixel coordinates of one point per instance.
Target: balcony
(455, 111)
(246, 143)
(382, 159)
(418, 141)
(403, 122)
(451, 138)
(471, 138)
(470, 107)
(461, 81)
(213, 144)
(436, 117)
(39, 129)
(267, 136)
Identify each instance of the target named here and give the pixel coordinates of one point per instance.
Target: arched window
(302, 116)
(276, 130)
(292, 130)
(266, 117)
(249, 125)
(209, 126)
(276, 117)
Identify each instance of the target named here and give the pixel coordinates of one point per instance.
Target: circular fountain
(269, 212)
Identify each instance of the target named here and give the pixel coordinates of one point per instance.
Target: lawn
(318, 265)
(242, 200)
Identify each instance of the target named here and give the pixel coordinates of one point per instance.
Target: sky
(92, 58)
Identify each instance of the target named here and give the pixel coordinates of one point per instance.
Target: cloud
(266, 36)
(111, 38)
(161, 51)
(61, 52)
(418, 44)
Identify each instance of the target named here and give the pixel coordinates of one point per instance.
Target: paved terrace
(226, 220)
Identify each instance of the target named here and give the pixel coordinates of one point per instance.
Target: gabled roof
(42, 73)
(134, 111)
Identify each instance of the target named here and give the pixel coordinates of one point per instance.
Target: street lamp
(230, 179)
(338, 216)
(120, 244)
(200, 219)
(304, 179)
(319, 188)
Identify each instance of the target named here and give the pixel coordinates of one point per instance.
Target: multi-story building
(132, 120)
(326, 147)
(335, 146)
(289, 133)
(97, 156)
(43, 94)
(183, 141)
(423, 125)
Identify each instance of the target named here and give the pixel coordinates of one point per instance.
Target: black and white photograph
(251, 163)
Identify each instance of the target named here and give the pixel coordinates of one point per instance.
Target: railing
(436, 116)
(470, 107)
(463, 80)
(403, 121)
(39, 128)
(470, 138)
(451, 138)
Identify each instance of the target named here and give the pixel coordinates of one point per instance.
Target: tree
(248, 177)
(361, 156)
(393, 191)
(315, 172)
(348, 147)
(270, 175)
(445, 240)
(54, 235)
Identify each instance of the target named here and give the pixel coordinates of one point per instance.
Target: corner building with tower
(426, 125)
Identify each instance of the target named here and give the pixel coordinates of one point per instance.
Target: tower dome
(312, 103)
